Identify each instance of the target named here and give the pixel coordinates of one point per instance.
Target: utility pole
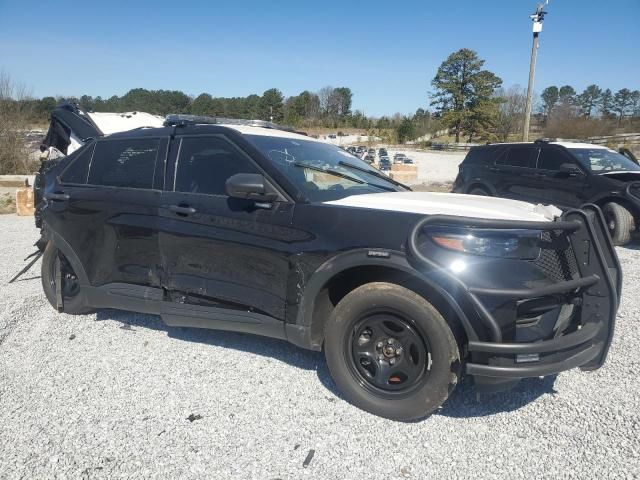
(537, 18)
(271, 114)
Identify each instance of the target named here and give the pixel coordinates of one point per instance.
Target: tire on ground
(479, 191)
(74, 305)
(620, 222)
(444, 370)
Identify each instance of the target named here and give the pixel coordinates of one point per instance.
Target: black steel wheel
(70, 288)
(391, 352)
(388, 352)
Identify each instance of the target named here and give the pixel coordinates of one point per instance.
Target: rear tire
(390, 352)
(73, 301)
(620, 223)
(479, 191)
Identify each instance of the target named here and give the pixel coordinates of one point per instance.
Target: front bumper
(592, 295)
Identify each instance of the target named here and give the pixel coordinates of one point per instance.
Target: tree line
(592, 101)
(328, 107)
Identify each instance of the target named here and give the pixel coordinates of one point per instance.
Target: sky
(386, 52)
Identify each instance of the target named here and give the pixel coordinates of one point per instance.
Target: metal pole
(532, 74)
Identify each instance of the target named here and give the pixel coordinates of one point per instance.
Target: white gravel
(434, 167)
(108, 395)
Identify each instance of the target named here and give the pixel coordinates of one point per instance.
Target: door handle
(539, 174)
(57, 196)
(494, 169)
(182, 209)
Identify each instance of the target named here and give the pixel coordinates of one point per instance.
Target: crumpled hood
(431, 203)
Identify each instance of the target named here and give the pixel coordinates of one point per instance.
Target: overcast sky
(386, 52)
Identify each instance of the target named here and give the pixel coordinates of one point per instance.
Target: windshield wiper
(375, 174)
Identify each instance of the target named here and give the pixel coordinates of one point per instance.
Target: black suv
(564, 174)
(244, 226)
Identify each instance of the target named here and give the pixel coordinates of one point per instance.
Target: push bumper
(593, 296)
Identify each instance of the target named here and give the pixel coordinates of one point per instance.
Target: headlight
(521, 244)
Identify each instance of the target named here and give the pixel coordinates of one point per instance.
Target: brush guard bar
(596, 293)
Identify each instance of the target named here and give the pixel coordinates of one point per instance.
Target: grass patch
(7, 203)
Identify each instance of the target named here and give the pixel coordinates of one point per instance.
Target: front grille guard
(596, 290)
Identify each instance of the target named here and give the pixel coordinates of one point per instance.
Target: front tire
(620, 223)
(479, 191)
(73, 302)
(390, 352)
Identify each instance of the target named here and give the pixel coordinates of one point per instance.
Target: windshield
(600, 160)
(323, 172)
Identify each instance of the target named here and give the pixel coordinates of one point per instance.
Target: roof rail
(544, 140)
(181, 120)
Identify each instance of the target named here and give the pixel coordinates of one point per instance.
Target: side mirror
(570, 170)
(250, 186)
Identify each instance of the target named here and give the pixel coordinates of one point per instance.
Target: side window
(552, 158)
(205, 164)
(524, 157)
(77, 170)
(128, 163)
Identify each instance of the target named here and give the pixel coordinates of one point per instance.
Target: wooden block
(404, 177)
(404, 167)
(24, 201)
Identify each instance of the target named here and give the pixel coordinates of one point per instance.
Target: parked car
(399, 158)
(369, 158)
(382, 152)
(384, 163)
(372, 152)
(565, 174)
(251, 227)
(408, 161)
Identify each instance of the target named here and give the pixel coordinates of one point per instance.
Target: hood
(429, 203)
(622, 176)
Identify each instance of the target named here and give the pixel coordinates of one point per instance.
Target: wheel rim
(611, 221)
(388, 354)
(70, 284)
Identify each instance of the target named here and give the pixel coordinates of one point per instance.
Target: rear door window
(205, 164)
(125, 163)
(523, 157)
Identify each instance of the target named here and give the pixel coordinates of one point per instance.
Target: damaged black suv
(246, 226)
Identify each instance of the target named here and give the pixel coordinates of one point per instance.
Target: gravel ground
(434, 167)
(120, 395)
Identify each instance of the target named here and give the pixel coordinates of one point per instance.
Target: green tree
(550, 97)
(622, 101)
(202, 105)
(635, 98)
(606, 103)
(464, 91)
(566, 95)
(271, 105)
(405, 131)
(343, 99)
(589, 98)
